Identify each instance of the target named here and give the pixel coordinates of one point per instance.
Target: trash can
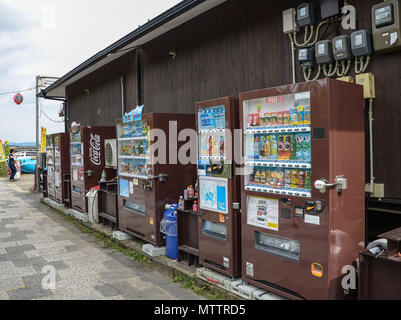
(168, 226)
(93, 207)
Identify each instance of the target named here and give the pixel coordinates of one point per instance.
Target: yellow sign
(2, 155)
(43, 141)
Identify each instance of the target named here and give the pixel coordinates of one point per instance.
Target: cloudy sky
(51, 37)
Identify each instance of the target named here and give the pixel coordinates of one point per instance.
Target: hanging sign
(134, 115)
(18, 98)
(43, 141)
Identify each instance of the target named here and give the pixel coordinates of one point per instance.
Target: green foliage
(3, 164)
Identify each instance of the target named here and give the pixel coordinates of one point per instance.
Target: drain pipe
(122, 79)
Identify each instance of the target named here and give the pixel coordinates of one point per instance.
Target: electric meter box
(361, 43)
(329, 8)
(386, 26)
(306, 15)
(342, 47)
(306, 57)
(324, 52)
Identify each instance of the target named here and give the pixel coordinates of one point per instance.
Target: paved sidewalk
(33, 236)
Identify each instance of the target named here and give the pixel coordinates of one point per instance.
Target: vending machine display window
(216, 230)
(212, 118)
(277, 144)
(76, 154)
(133, 149)
(212, 133)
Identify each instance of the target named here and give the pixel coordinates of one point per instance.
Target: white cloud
(49, 37)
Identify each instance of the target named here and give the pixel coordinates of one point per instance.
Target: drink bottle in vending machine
(303, 188)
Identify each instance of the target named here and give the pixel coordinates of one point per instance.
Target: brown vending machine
(219, 220)
(87, 161)
(61, 143)
(51, 192)
(303, 210)
(152, 175)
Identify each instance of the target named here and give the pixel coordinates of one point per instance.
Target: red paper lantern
(18, 98)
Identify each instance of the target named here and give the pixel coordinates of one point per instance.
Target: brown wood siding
(236, 47)
(102, 106)
(239, 46)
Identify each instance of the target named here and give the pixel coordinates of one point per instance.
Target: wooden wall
(103, 103)
(239, 46)
(236, 47)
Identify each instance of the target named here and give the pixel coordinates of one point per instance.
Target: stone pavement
(33, 236)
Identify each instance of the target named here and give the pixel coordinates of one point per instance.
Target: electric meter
(361, 43)
(306, 15)
(384, 15)
(324, 52)
(342, 48)
(386, 26)
(306, 58)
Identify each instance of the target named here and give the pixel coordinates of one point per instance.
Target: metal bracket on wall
(236, 206)
(162, 177)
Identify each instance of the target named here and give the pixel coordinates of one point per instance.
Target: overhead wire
(50, 119)
(14, 92)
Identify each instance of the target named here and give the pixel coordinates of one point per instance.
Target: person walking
(11, 164)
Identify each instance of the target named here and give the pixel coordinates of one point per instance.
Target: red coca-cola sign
(94, 149)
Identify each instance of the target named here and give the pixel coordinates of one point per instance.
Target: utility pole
(41, 81)
(37, 134)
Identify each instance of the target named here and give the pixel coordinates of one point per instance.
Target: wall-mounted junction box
(329, 8)
(386, 26)
(342, 47)
(290, 21)
(367, 80)
(361, 43)
(376, 190)
(347, 79)
(324, 52)
(306, 14)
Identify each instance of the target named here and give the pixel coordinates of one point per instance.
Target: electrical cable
(15, 92)
(42, 112)
(306, 41)
(307, 76)
(349, 62)
(341, 73)
(366, 64)
(317, 32)
(327, 29)
(356, 66)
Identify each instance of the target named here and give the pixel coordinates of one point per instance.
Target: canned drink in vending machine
(308, 180)
(287, 179)
(301, 179)
(280, 179)
(294, 179)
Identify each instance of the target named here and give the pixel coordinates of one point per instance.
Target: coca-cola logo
(94, 150)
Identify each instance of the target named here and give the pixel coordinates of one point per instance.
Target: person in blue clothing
(11, 164)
